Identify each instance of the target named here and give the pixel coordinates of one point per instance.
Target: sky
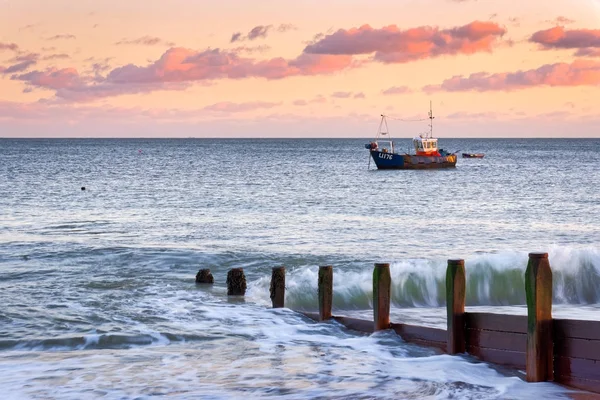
(281, 68)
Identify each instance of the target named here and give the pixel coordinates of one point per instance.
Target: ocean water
(97, 290)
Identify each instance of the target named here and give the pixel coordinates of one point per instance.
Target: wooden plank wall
(422, 335)
(577, 353)
(496, 338)
(502, 340)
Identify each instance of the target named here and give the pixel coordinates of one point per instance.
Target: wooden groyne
(564, 351)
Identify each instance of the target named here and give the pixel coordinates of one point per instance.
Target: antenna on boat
(431, 117)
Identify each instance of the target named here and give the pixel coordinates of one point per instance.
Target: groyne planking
(564, 351)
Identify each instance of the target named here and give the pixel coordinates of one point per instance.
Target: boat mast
(431, 117)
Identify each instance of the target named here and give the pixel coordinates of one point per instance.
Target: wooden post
(325, 288)
(204, 276)
(236, 282)
(540, 347)
(278, 287)
(455, 306)
(382, 285)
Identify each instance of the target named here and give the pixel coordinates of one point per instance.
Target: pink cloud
(176, 69)
(183, 65)
(342, 95)
(286, 27)
(69, 85)
(252, 49)
(397, 90)
(393, 45)
(9, 46)
(145, 41)
(61, 56)
(320, 99)
(578, 73)
(559, 38)
(62, 36)
(22, 63)
(52, 78)
(19, 67)
(587, 52)
(347, 95)
(260, 31)
(561, 20)
(230, 107)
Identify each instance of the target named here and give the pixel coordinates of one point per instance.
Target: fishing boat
(473, 155)
(427, 154)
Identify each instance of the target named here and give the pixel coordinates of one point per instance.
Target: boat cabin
(425, 146)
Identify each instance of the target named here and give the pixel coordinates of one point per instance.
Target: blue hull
(406, 161)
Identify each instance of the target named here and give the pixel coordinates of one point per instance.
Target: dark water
(98, 292)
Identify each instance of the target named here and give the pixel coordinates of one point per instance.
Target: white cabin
(425, 145)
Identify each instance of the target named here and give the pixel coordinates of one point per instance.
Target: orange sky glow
(277, 68)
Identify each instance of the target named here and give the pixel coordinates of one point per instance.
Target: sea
(97, 287)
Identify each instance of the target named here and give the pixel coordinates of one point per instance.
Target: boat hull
(407, 161)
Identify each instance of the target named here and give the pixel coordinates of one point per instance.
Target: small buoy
(83, 188)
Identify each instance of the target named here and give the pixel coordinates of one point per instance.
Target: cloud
(26, 57)
(28, 27)
(560, 20)
(236, 37)
(69, 85)
(396, 90)
(229, 107)
(347, 95)
(41, 112)
(390, 44)
(22, 63)
(51, 78)
(9, 46)
(19, 67)
(178, 68)
(260, 31)
(341, 95)
(587, 52)
(61, 56)
(463, 115)
(515, 21)
(286, 27)
(145, 41)
(184, 65)
(251, 49)
(320, 99)
(579, 73)
(559, 38)
(62, 36)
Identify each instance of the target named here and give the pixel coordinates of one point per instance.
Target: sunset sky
(279, 68)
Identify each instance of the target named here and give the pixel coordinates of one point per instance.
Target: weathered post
(277, 289)
(325, 289)
(382, 285)
(538, 288)
(236, 282)
(455, 306)
(204, 276)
